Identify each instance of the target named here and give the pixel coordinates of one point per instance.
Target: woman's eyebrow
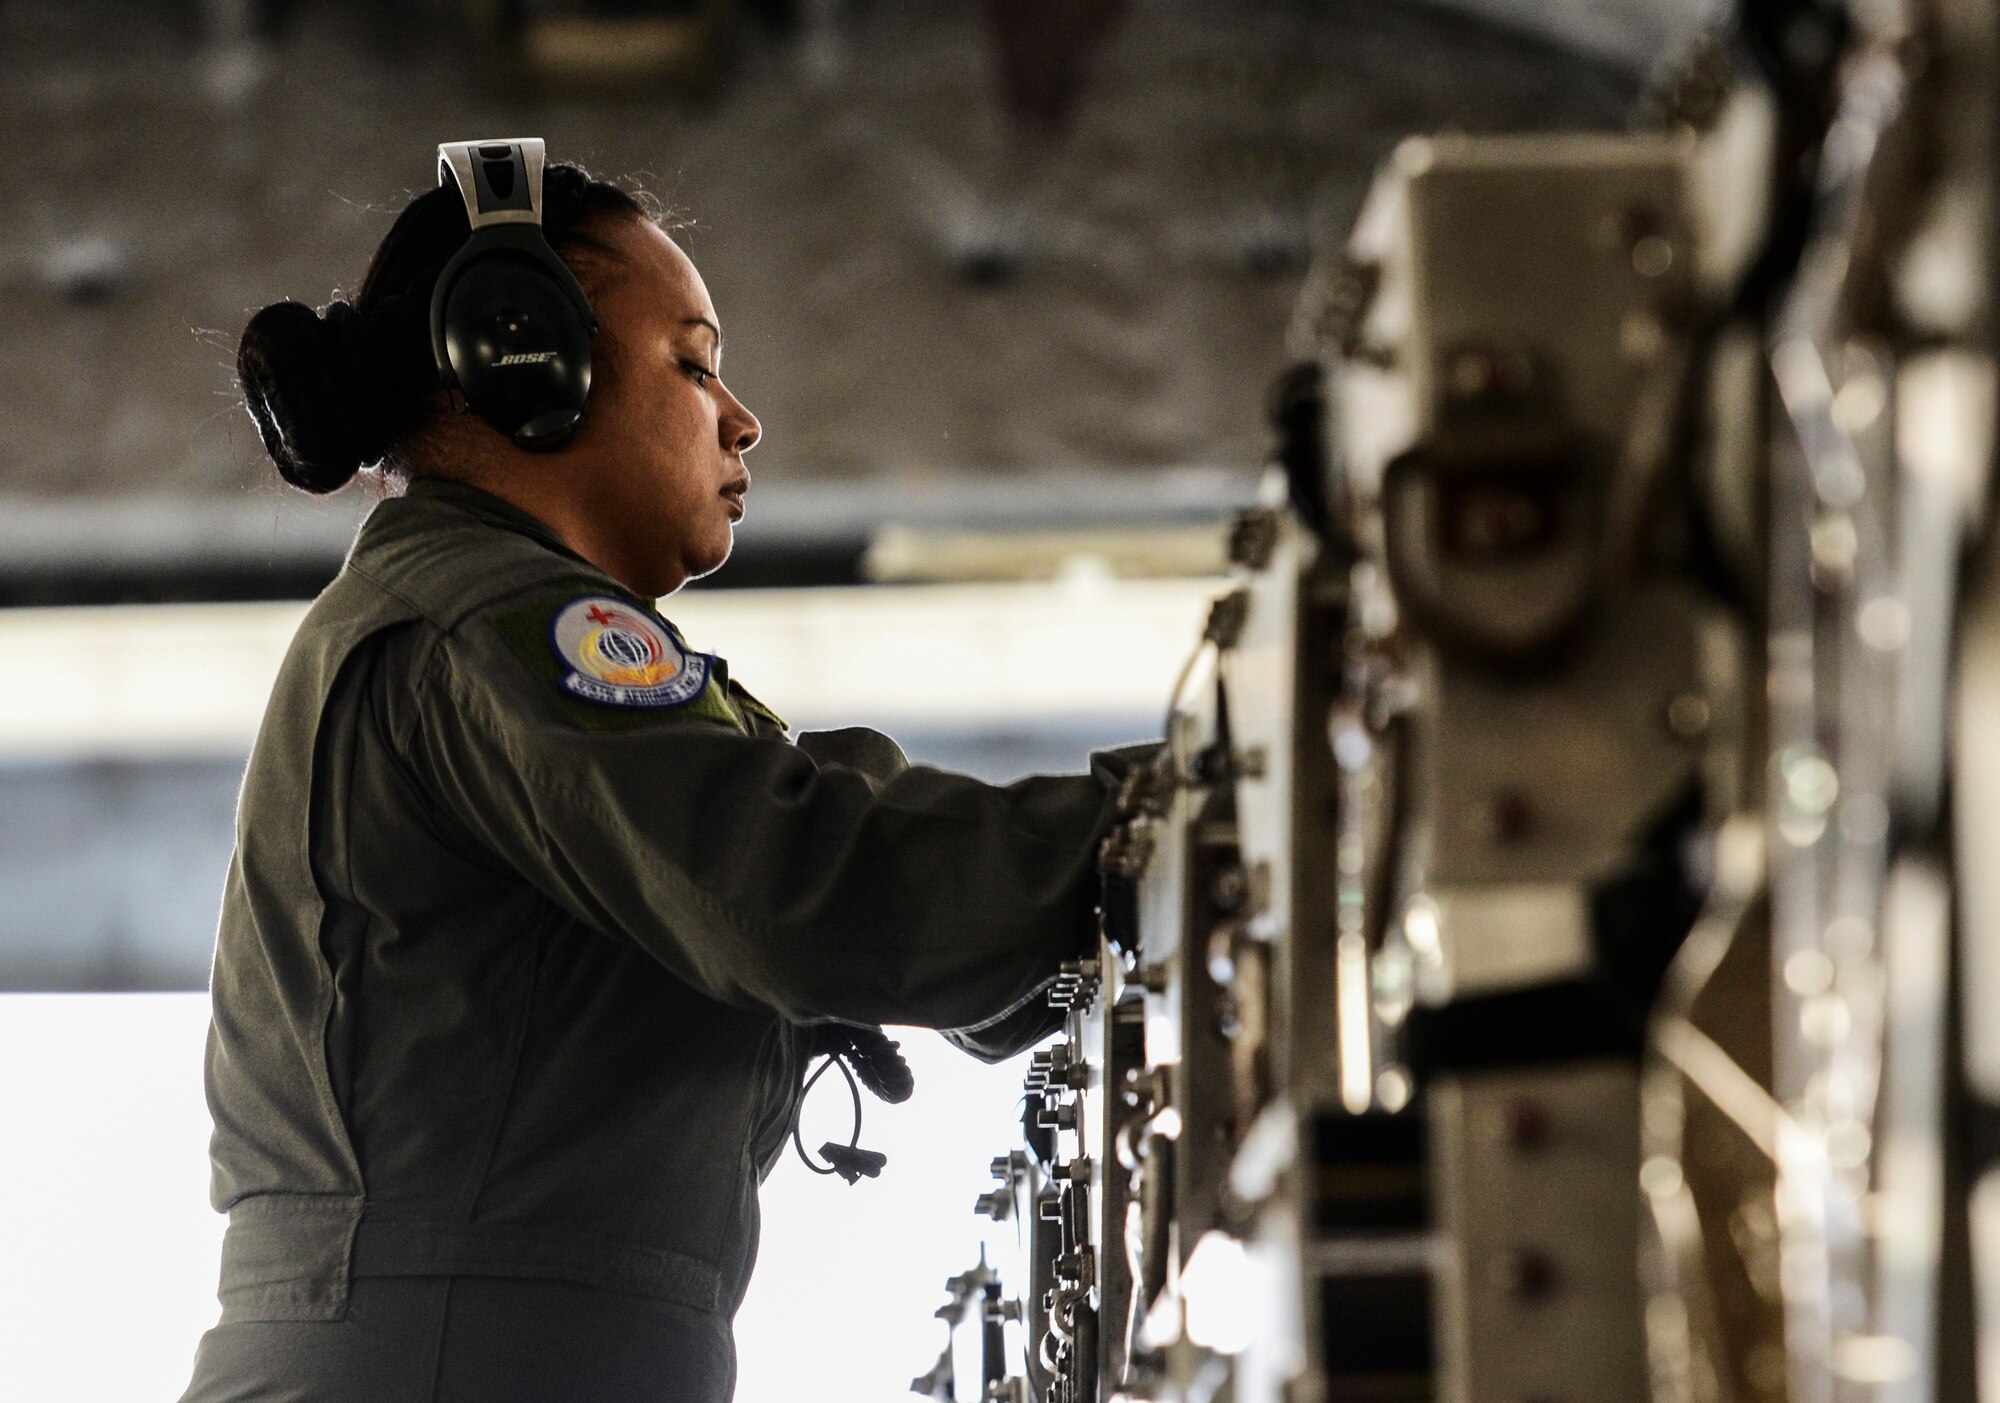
(704, 321)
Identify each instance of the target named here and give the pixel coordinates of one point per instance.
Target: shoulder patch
(616, 654)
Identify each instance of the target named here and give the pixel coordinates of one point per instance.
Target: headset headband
(500, 181)
(510, 324)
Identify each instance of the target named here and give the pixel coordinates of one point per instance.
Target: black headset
(510, 324)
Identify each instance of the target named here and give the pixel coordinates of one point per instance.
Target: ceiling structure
(916, 292)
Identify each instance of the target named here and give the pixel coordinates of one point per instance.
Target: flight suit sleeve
(1021, 1028)
(754, 872)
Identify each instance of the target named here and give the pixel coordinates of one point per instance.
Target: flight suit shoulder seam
(554, 575)
(357, 569)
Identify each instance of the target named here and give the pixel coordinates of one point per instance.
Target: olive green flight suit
(509, 976)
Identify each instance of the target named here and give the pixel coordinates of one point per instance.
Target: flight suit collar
(426, 494)
(494, 510)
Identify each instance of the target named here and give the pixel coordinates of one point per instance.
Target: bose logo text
(527, 358)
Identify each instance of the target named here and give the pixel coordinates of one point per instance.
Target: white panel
(163, 680)
(108, 1250)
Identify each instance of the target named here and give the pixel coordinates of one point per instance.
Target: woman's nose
(740, 429)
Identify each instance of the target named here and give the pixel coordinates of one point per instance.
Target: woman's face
(658, 461)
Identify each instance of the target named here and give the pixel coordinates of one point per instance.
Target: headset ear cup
(518, 348)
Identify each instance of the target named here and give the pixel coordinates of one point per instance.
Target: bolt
(1480, 372)
(1061, 1116)
(1498, 522)
(1138, 1088)
(1063, 1069)
(1229, 1018)
(1527, 1123)
(1039, 1067)
(1652, 256)
(1531, 1274)
(1227, 890)
(1687, 716)
(1512, 816)
(1640, 221)
(1222, 956)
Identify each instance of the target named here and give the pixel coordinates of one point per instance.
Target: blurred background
(1005, 280)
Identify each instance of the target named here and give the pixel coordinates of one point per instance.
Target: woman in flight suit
(534, 911)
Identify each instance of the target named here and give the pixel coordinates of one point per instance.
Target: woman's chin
(713, 559)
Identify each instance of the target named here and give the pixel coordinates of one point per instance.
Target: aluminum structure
(1528, 972)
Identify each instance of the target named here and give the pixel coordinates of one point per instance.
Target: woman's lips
(734, 496)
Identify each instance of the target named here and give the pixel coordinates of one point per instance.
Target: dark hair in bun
(332, 393)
